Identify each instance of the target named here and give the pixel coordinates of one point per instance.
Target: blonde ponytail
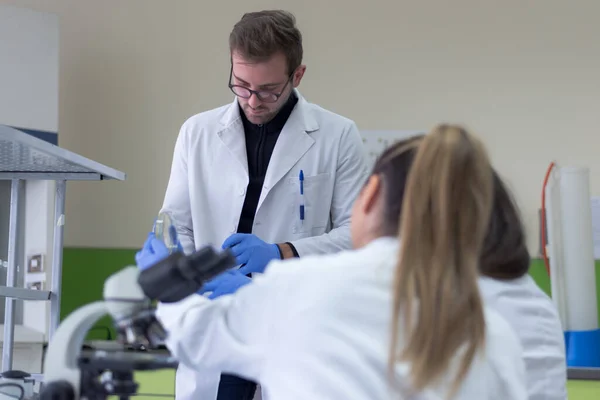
(443, 222)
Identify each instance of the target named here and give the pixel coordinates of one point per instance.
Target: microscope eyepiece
(179, 276)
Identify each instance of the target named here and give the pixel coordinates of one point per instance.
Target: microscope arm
(127, 295)
(61, 371)
(60, 366)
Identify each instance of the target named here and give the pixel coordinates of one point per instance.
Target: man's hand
(251, 252)
(227, 282)
(155, 250)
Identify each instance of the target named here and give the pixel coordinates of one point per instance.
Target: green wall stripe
(84, 273)
(538, 271)
(86, 269)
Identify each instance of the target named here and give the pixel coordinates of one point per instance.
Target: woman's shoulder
(498, 330)
(382, 251)
(497, 371)
(503, 358)
(517, 299)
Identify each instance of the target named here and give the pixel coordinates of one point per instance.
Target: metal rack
(24, 157)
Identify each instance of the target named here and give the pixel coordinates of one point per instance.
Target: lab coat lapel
(232, 134)
(293, 142)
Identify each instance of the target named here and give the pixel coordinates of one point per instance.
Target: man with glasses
(270, 176)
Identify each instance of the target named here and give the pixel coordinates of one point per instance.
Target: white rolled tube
(554, 246)
(578, 249)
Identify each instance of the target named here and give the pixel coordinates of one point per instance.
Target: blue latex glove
(251, 252)
(227, 282)
(154, 250)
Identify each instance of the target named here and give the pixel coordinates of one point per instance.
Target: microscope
(128, 295)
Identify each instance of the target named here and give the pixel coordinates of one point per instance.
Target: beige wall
(525, 74)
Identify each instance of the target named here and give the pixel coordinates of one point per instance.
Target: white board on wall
(29, 69)
(376, 141)
(29, 79)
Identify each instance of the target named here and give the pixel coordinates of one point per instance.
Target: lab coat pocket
(318, 190)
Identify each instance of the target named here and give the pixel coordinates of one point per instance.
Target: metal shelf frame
(25, 157)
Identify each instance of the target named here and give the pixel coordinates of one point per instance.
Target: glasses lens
(245, 93)
(241, 91)
(267, 97)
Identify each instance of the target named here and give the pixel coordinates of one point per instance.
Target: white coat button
(242, 191)
(233, 229)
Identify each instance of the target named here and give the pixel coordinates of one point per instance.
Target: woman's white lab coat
(535, 320)
(318, 328)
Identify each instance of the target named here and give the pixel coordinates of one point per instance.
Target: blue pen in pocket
(301, 178)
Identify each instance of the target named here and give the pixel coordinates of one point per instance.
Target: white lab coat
(318, 328)
(534, 318)
(209, 177)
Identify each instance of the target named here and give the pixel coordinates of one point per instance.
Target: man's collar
(277, 123)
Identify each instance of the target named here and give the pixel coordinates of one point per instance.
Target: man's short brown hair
(260, 35)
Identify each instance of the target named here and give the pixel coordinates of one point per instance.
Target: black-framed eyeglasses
(266, 96)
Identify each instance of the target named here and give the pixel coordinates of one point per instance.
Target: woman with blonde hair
(400, 316)
(505, 284)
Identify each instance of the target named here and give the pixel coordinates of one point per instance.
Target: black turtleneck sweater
(260, 142)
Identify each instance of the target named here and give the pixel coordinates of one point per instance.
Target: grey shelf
(25, 157)
(586, 374)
